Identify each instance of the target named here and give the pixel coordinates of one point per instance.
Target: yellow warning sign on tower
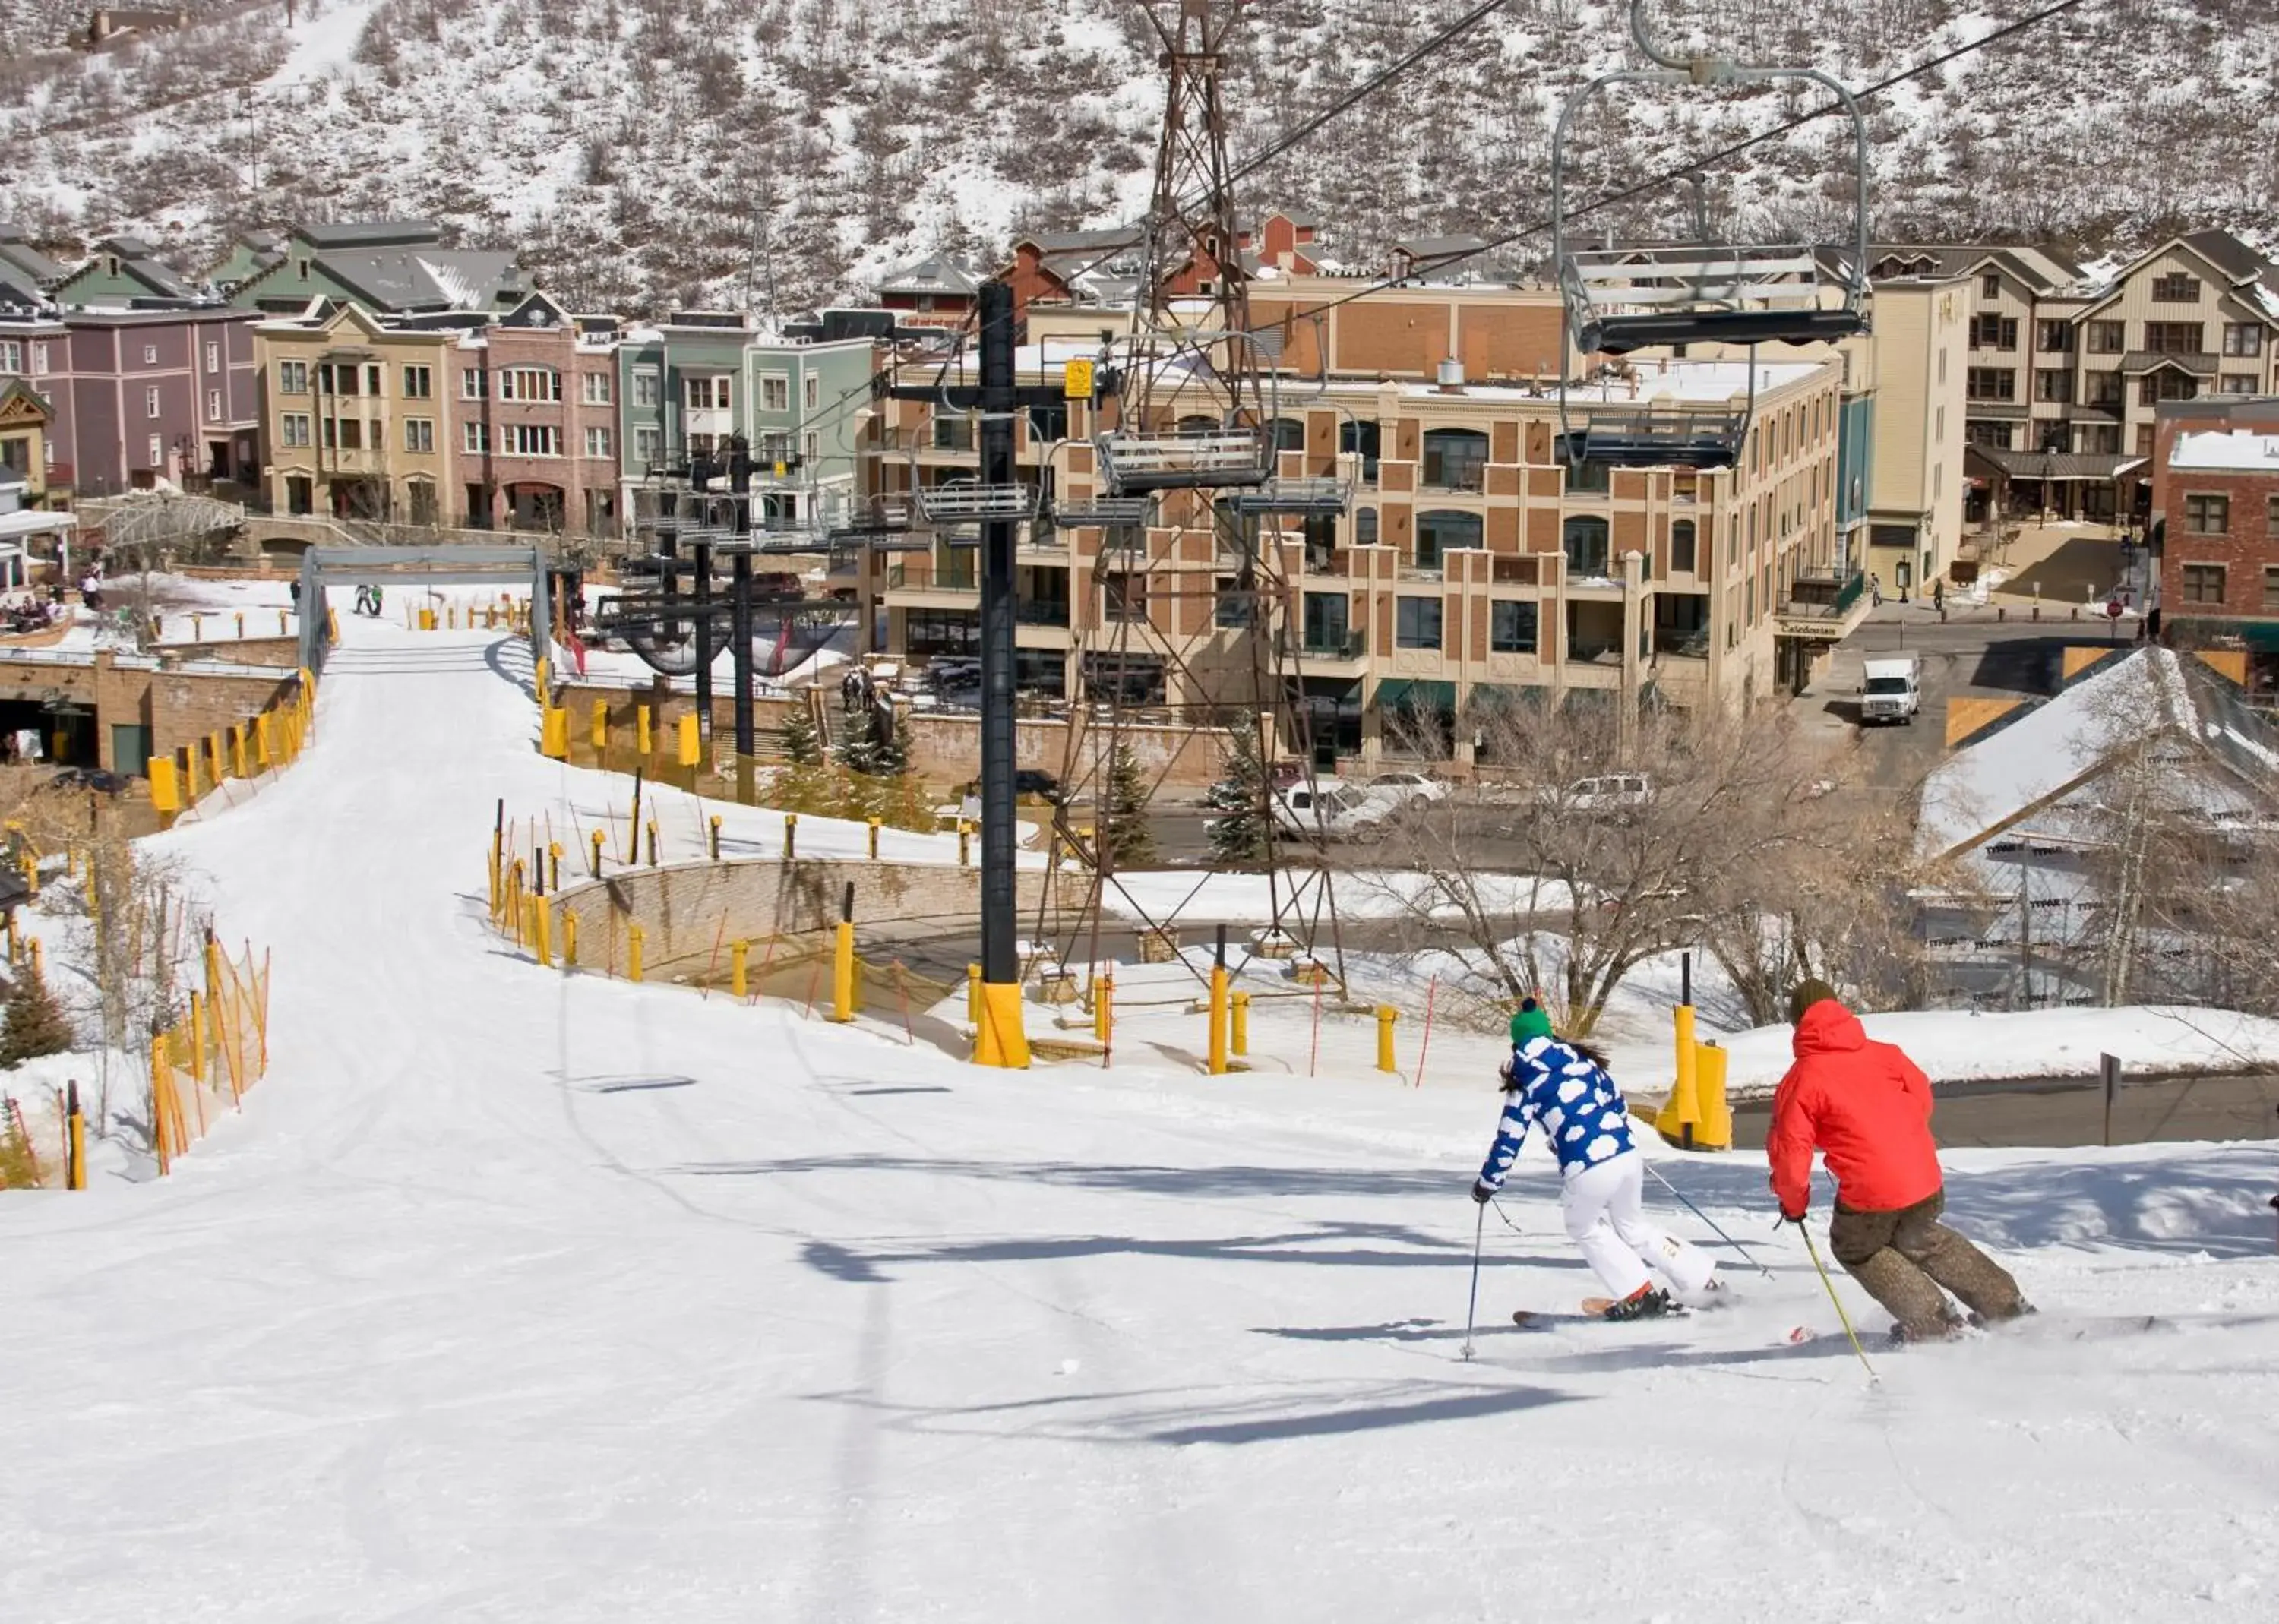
(1077, 384)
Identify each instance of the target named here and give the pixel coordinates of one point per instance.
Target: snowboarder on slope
(1867, 1107)
(1565, 1088)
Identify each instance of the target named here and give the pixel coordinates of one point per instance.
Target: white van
(1891, 689)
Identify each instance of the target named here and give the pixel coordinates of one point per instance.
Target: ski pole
(1712, 1222)
(1843, 1318)
(1479, 1231)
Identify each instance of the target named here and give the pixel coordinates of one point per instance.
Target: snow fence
(202, 1066)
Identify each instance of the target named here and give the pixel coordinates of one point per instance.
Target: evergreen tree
(1126, 839)
(1236, 804)
(802, 747)
(869, 749)
(34, 1024)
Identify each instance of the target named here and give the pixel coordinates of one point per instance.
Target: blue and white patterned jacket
(1576, 1103)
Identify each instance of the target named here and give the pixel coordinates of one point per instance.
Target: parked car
(1332, 811)
(1412, 790)
(1611, 793)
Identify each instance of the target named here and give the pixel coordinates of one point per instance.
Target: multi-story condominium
(139, 394)
(2066, 375)
(358, 418)
(455, 420)
(696, 380)
(535, 397)
(2215, 504)
(1472, 563)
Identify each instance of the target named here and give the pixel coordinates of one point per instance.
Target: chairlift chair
(1618, 301)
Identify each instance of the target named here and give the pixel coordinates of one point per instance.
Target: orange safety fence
(202, 1066)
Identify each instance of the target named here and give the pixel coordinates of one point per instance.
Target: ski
(1588, 1314)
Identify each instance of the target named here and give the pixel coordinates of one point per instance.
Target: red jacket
(1863, 1103)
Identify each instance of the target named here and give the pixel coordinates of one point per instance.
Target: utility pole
(1003, 1041)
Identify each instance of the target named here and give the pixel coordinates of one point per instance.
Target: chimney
(1452, 376)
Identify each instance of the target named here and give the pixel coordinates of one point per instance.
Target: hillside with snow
(642, 152)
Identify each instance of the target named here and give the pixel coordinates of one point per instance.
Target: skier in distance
(1867, 1107)
(1564, 1089)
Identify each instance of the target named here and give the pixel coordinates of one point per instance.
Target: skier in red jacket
(1867, 1107)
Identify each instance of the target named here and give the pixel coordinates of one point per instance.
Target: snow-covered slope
(515, 1297)
(643, 153)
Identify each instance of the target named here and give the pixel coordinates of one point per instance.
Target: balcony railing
(1693, 644)
(1823, 598)
(1347, 645)
(1050, 612)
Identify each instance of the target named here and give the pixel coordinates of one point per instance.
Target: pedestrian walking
(1867, 1109)
(1564, 1088)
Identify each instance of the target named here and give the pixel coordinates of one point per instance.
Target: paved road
(2065, 1114)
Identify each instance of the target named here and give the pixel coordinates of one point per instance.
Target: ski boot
(1648, 1302)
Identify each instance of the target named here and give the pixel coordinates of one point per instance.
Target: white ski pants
(1606, 1217)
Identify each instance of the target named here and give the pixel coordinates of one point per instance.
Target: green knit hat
(1528, 1022)
(1805, 995)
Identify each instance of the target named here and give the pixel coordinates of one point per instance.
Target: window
(2108, 338)
(2143, 440)
(1455, 459)
(2053, 338)
(811, 391)
(2207, 515)
(150, 402)
(811, 445)
(1990, 286)
(649, 444)
(2053, 384)
(2173, 337)
(952, 434)
(1585, 540)
(1125, 598)
(343, 433)
(707, 393)
(1364, 526)
(646, 392)
(1439, 533)
(214, 405)
(157, 449)
(2167, 384)
(1993, 332)
(2106, 389)
(530, 383)
(2203, 583)
(291, 378)
(1681, 547)
(775, 445)
(213, 356)
(594, 388)
(1512, 626)
(343, 380)
(39, 358)
(418, 383)
(12, 357)
(775, 392)
(1417, 623)
(2236, 383)
(2175, 287)
(1361, 439)
(530, 439)
(293, 428)
(1232, 607)
(2270, 588)
(2271, 516)
(597, 443)
(420, 434)
(1327, 630)
(1991, 383)
(2101, 439)
(475, 439)
(2242, 338)
(151, 356)
(474, 383)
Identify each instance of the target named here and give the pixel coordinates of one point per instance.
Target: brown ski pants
(1904, 1256)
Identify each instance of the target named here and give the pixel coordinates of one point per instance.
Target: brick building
(2217, 490)
(535, 398)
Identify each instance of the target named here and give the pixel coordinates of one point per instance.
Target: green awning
(2261, 635)
(1416, 694)
(1503, 698)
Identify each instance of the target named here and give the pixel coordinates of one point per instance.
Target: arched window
(1360, 440)
(1441, 532)
(1365, 527)
(1681, 547)
(1198, 424)
(1286, 435)
(1585, 540)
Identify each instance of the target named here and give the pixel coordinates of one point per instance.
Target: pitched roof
(2233, 451)
(2040, 268)
(16, 250)
(420, 279)
(138, 261)
(17, 288)
(936, 274)
(2228, 254)
(1439, 248)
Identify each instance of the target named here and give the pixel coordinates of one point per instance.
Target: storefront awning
(1416, 694)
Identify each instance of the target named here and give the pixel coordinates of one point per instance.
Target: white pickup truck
(1328, 809)
(1891, 689)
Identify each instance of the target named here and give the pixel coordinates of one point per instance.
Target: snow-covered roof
(2229, 451)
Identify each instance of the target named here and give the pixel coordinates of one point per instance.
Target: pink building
(537, 415)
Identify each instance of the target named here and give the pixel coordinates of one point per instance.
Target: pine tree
(34, 1024)
(802, 747)
(1127, 840)
(1238, 817)
(858, 744)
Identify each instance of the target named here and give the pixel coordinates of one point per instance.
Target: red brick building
(537, 415)
(2216, 494)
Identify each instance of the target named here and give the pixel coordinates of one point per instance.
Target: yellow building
(357, 414)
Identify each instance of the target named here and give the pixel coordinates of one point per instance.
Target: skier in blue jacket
(1564, 1089)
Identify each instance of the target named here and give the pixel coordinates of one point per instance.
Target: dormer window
(111, 264)
(300, 269)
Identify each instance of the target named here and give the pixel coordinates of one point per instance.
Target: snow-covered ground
(513, 1296)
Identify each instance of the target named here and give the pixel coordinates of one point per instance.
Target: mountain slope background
(780, 152)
